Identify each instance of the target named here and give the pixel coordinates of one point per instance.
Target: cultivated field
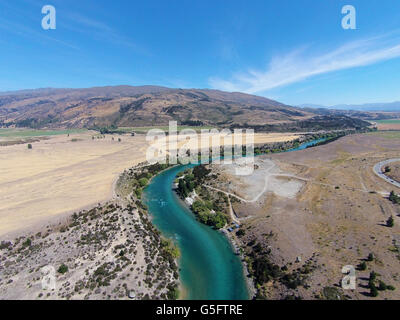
(393, 124)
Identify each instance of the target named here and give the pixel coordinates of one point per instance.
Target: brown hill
(144, 106)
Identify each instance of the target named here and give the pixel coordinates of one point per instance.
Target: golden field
(63, 174)
(59, 176)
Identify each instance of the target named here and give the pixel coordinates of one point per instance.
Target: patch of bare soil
(297, 246)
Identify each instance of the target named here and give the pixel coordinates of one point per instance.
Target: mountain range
(128, 106)
(367, 107)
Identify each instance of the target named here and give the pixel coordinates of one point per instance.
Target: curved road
(378, 171)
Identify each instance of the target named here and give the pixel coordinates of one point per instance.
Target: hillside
(127, 106)
(373, 113)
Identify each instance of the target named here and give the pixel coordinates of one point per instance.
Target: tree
(372, 276)
(199, 172)
(29, 146)
(374, 291)
(370, 257)
(390, 222)
(387, 169)
(182, 189)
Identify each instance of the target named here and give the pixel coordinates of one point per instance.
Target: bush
(27, 243)
(390, 222)
(394, 198)
(240, 233)
(29, 146)
(362, 266)
(382, 286)
(143, 182)
(62, 269)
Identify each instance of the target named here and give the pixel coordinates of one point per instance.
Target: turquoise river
(209, 269)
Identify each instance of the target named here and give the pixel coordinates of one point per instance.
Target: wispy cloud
(101, 31)
(24, 31)
(298, 65)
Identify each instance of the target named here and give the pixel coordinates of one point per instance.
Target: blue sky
(292, 51)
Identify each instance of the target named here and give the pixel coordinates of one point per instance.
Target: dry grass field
(394, 171)
(62, 174)
(337, 218)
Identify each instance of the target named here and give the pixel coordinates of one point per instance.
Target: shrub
(62, 269)
(390, 222)
(27, 243)
(240, 233)
(382, 286)
(394, 198)
(362, 266)
(143, 182)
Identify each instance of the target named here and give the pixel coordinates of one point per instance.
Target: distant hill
(126, 106)
(364, 115)
(367, 107)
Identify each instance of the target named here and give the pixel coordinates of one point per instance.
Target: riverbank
(296, 246)
(193, 184)
(251, 287)
(209, 269)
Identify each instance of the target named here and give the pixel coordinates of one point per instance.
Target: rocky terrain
(111, 251)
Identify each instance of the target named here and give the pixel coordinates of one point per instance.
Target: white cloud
(101, 31)
(297, 65)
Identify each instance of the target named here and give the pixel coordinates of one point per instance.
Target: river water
(209, 269)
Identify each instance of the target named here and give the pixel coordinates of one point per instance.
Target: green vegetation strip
(386, 134)
(9, 133)
(389, 121)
